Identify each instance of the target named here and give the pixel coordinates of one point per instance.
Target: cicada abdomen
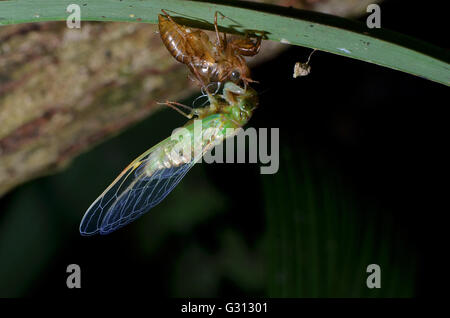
(185, 44)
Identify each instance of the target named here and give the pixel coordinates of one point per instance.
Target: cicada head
(234, 69)
(243, 101)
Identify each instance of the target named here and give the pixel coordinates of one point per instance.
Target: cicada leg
(197, 74)
(173, 106)
(245, 46)
(220, 42)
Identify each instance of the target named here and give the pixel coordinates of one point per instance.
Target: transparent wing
(132, 194)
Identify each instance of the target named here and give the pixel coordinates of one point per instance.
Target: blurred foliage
(321, 239)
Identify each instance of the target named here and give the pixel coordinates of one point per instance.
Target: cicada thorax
(195, 138)
(214, 123)
(224, 69)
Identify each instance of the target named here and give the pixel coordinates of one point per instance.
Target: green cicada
(150, 178)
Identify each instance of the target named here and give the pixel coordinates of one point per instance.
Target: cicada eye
(246, 106)
(235, 76)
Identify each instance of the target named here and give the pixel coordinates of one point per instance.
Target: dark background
(360, 182)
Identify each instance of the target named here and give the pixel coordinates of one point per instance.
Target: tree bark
(63, 91)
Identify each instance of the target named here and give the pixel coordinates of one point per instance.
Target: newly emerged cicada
(209, 62)
(154, 174)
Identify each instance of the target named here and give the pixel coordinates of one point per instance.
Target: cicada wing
(92, 219)
(132, 194)
(134, 191)
(145, 193)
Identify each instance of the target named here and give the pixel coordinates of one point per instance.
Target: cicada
(209, 62)
(154, 174)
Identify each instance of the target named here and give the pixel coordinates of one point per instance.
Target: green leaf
(323, 32)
